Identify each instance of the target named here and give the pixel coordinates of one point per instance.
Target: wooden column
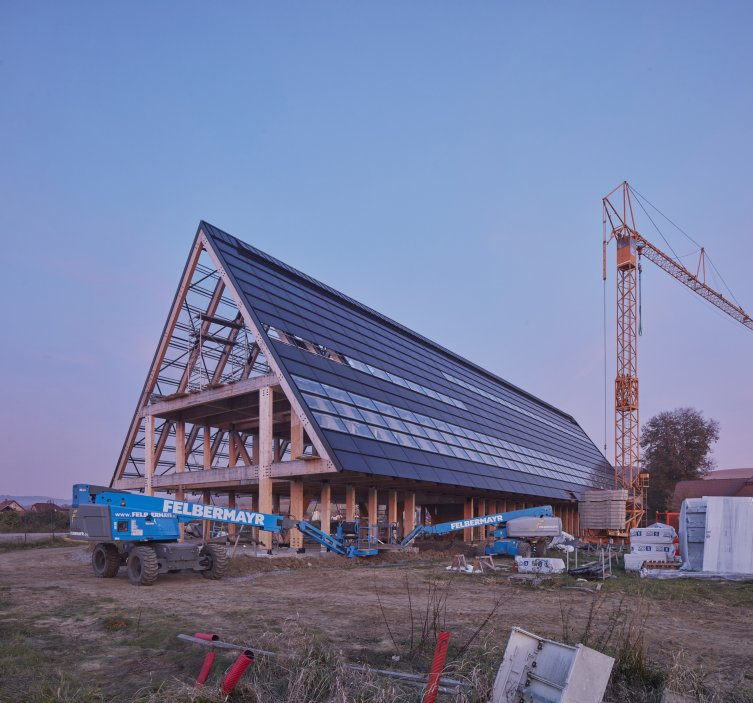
(207, 448)
(325, 509)
(296, 512)
(393, 527)
(410, 512)
(480, 512)
(232, 529)
(232, 450)
(149, 454)
(468, 513)
(296, 436)
(266, 456)
(255, 449)
(373, 506)
(350, 503)
(205, 524)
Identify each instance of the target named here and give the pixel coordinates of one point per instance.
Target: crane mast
(619, 224)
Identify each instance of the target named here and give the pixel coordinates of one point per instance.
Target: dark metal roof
(388, 401)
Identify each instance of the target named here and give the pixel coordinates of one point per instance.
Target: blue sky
(442, 162)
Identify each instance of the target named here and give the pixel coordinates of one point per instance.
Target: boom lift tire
(105, 560)
(217, 561)
(524, 549)
(142, 566)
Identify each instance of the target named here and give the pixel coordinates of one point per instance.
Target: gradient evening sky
(442, 162)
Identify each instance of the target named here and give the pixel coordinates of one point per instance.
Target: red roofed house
(48, 508)
(736, 483)
(11, 506)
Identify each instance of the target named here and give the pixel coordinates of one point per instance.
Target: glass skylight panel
(384, 435)
(373, 418)
(395, 424)
(330, 422)
(406, 415)
(384, 408)
(347, 411)
(363, 402)
(304, 384)
(359, 429)
(338, 394)
(425, 444)
(460, 452)
(317, 403)
(416, 430)
(406, 440)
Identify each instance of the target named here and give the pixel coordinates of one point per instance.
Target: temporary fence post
(244, 660)
(440, 652)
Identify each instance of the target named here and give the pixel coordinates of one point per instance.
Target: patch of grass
(43, 544)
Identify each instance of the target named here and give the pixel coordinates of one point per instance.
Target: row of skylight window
(510, 405)
(339, 410)
(312, 347)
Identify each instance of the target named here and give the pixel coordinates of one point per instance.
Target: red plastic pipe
(244, 660)
(206, 667)
(206, 636)
(440, 652)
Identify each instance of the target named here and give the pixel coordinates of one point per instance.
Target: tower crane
(619, 225)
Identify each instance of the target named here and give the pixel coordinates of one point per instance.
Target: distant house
(48, 508)
(724, 482)
(11, 506)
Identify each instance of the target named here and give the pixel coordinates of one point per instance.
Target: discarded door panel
(535, 669)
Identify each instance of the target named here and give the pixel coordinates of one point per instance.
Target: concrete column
(296, 512)
(266, 456)
(480, 512)
(409, 512)
(373, 506)
(296, 436)
(350, 503)
(468, 513)
(148, 455)
(325, 508)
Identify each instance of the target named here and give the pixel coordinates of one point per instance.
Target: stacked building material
(656, 542)
(603, 510)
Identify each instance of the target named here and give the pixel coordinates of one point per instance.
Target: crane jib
(213, 512)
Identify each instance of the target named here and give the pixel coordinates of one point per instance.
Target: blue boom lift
(141, 533)
(517, 532)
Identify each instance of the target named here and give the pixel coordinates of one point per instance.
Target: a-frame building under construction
(270, 385)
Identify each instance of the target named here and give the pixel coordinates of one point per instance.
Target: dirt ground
(108, 636)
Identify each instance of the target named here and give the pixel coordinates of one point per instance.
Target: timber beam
(210, 396)
(228, 477)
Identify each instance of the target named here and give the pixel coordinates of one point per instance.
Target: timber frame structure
(270, 386)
